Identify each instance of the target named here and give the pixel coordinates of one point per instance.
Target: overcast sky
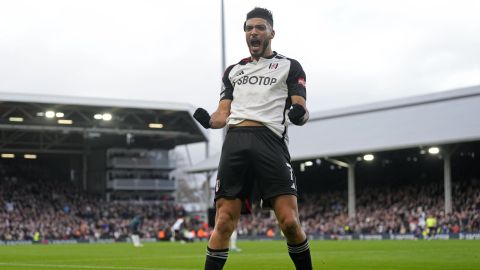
(353, 52)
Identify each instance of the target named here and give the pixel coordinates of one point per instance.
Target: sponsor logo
(302, 82)
(255, 80)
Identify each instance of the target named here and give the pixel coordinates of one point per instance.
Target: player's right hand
(203, 117)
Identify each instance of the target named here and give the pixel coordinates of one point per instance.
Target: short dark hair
(263, 13)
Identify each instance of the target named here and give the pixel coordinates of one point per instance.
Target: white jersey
(261, 90)
(178, 224)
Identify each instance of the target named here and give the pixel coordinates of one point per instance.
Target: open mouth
(255, 43)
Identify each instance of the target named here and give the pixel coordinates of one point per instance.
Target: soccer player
(135, 225)
(177, 229)
(233, 242)
(261, 94)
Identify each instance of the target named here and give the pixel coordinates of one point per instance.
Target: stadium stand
(380, 211)
(34, 201)
(81, 168)
(40, 204)
(57, 210)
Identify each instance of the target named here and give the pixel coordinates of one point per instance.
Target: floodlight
(155, 125)
(59, 114)
(50, 114)
(65, 121)
(30, 156)
(433, 150)
(308, 163)
(7, 155)
(98, 116)
(107, 117)
(368, 157)
(15, 119)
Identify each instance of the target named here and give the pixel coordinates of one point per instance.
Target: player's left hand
(297, 114)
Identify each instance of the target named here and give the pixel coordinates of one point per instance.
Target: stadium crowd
(32, 206)
(34, 209)
(381, 210)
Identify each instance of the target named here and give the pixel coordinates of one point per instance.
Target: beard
(260, 52)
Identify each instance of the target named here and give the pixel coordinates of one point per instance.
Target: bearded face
(258, 34)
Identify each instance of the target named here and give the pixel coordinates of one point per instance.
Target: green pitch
(264, 255)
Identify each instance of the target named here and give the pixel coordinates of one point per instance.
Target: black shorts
(254, 160)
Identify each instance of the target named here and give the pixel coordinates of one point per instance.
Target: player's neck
(267, 54)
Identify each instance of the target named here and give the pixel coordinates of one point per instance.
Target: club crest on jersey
(273, 66)
(302, 82)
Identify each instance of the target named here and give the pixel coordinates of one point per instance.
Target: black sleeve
(296, 80)
(227, 87)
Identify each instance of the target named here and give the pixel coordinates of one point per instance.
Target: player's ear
(272, 33)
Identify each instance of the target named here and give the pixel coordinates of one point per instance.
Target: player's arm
(298, 114)
(219, 117)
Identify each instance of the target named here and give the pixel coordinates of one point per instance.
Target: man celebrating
(258, 94)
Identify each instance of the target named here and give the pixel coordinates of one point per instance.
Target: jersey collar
(268, 57)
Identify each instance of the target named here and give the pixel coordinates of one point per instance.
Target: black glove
(296, 114)
(203, 117)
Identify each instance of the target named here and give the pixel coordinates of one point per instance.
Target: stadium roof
(24, 125)
(433, 119)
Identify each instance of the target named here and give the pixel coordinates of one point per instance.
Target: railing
(141, 163)
(141, 184)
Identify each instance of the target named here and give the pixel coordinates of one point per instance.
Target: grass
(265, 255)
